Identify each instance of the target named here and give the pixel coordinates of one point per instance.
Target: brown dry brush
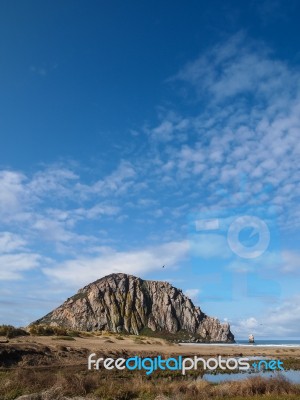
(257, 386)
(94, 385)
(11, 332)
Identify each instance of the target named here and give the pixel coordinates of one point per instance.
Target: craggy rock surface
(125, 303)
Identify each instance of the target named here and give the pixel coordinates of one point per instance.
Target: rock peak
(125, 303)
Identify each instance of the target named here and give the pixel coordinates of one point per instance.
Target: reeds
(96, 385)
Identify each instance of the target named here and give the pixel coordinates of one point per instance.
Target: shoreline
(141, 345)
(250, 345)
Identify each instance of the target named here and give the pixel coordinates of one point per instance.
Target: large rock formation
(125, 303)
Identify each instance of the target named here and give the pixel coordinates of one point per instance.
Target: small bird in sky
(163, 266)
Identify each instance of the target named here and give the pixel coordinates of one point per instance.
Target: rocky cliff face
(125, 303)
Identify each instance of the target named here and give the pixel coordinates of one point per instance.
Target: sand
(146, 346)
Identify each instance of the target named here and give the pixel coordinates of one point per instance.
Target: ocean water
(270, 342)
(291, 375)
(258, 343)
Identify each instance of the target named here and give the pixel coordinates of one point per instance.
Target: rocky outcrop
(125, 303)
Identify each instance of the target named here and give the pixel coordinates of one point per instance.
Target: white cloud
(290, 262)
(163, 132)
(193, 294)
(245, 139)
(96, 211)
(79, 271)
(210, 246)
(54, 179)
(15, 257)
(238, 66)
(10, 242)
(12, 266)
(53, 202)
(52, 230)
(119, 181)
(282, 321)
(271, 263)
(11, 192)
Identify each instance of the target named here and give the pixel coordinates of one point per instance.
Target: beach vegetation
(10, 331)
(72, 382)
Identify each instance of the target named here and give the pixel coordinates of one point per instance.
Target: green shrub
(47, 330)
(74, 333)
(63, 338)
(10, 331)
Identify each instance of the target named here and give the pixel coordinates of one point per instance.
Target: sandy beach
(109, 343)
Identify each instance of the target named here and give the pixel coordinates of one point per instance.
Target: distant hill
(125, 303)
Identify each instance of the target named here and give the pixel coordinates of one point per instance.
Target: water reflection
(291, 375)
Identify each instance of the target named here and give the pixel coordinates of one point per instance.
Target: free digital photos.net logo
(236, 250)
(180, 363)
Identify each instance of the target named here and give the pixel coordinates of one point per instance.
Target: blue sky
(137, 135)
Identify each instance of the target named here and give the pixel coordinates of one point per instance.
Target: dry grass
(124, 386)
(257, 386)
(63, 338)
(11, 332)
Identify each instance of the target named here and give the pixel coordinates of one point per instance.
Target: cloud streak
(80, 271)
(282, 321)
